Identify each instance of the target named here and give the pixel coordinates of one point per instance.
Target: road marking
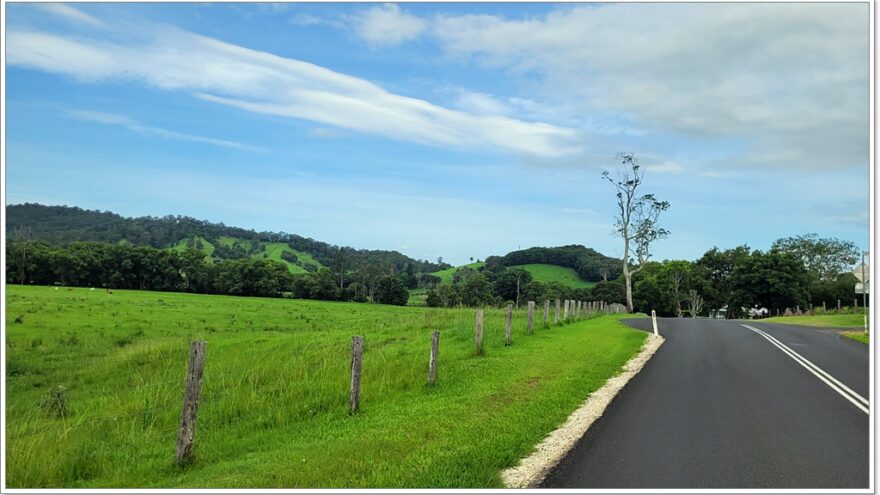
(829, 380)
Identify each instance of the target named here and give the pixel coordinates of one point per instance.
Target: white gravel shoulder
(532, 470)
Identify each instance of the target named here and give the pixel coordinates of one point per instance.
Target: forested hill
(589, 264)
(61, 225)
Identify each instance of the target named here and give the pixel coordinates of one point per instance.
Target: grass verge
(830, 321)
(858, 336)
(273, 411)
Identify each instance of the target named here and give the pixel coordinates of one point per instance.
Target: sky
(447, 130)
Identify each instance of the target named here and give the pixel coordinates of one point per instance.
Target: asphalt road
(720, 406)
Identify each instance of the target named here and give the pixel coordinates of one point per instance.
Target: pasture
(274, 395)
(553, 273)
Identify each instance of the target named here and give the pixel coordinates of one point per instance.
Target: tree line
(495, 284)
(125, 266)
(796, 272)
(61, 225)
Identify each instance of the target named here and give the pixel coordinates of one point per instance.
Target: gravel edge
(547, 454)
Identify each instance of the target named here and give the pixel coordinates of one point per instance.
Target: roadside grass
(858, 336)
(830, 321)
(554, 273)
(273, 411)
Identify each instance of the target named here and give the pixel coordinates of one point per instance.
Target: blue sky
(453, 130)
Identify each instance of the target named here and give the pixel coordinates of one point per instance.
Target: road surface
(723, 406)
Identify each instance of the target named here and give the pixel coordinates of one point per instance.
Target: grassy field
(447, 274)
(555, 273)
(830, 321)
(207, 247)
(270, 250)
(273, 411)
(540, 272)
(273, 251)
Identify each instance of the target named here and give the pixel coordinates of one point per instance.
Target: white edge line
(808, 368)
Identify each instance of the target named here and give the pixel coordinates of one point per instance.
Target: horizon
(447, 130)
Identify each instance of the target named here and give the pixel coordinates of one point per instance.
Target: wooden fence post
(824, 309)
(357, 354)
(507, 324)
(478, 332)
(565, 310)
(838, 305)
(432, 364)
(546, 313)
(183, 453)
(556, 313)
(531, 317)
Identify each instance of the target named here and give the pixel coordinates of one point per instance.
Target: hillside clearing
(273, 410)
(553, 273)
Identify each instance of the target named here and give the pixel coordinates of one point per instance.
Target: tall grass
(273, 411)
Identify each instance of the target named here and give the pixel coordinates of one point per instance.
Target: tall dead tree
(636, 221)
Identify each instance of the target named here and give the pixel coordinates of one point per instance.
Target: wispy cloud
(70, 13)
(172, 59)
(131, 124)
(388, 25)
(798, 92)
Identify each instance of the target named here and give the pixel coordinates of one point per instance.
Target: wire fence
(224, 397)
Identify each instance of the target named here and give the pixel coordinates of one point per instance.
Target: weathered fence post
(838, 305)
(824, 309)
(183, 453)
(556, 314)
(507, 324)
(531, 317)
(478, 332)
(432, 364)
(654, 321)
(565, 310)
(357, 354)
(546, 313)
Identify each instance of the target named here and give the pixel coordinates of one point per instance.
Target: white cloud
(304, 19)
(255, 81)
(387, 25)
(791, 80)
(68, 12)
(131, 124)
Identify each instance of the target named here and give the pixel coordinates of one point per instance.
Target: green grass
(830, 321)
(273, 251)
(554, 273)
(858, 336)
(207, 247)
(273, 410)
(447, 274)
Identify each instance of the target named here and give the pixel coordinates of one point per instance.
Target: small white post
(654, 320)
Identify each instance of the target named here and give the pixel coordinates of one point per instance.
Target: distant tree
(390, 290)
(636, 219)
(610, 292)
(432, 299)
(509, 284)
(824, 258)
(774, 280)
(695, 303)
(715, 270)
(476, 291)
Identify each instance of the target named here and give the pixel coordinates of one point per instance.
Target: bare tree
(604, 272)
(636, 221)
(677, 278)
(695, 303)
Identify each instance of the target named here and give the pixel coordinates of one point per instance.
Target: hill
(60, 225)
(552, 273)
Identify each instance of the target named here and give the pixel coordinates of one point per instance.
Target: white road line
(819, 372)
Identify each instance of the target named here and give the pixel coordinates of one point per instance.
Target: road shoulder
(531, 471)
